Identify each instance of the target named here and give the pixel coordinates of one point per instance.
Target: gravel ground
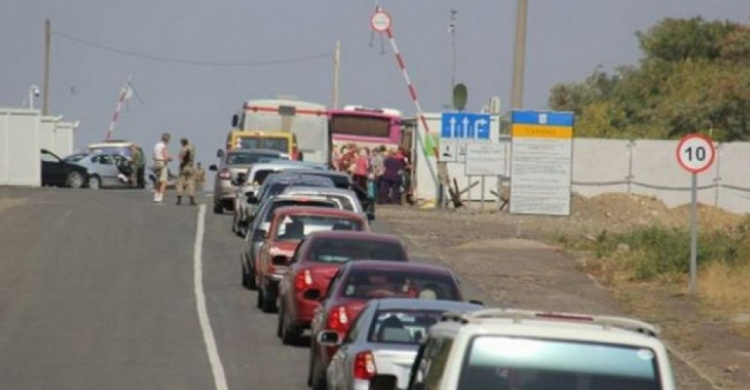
(503, 254)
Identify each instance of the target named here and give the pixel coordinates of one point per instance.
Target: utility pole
(336, 71)
(47, 44)
(519, 55)
(452, 30)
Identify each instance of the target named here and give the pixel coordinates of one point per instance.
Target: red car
(356, 283)
(289, 225)
(314, 264)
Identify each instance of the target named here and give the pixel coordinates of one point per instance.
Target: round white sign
(380, 21)
(696, 153)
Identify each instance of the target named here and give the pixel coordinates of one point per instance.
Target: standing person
(390, 184)
(161, 159)
(362, 168)
(186, 180)
(376, 165)
(136, 157)
(200, 178)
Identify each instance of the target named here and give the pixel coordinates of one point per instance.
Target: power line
(150, 57)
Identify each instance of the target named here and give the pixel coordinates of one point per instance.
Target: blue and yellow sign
(542, 124)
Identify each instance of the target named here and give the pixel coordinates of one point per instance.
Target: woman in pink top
(362, 168)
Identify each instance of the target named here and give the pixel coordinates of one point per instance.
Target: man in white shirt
(161, 158)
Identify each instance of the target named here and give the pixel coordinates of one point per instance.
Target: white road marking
(220, 379)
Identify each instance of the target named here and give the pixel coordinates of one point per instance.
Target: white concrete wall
(646, 167)
(20, 162)
(47, 133)
(63, 136)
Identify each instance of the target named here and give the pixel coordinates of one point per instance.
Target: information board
(541, 162)
(485, 159)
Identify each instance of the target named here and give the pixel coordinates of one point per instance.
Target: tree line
(693, 76)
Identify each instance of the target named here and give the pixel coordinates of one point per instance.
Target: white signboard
(448, 150)
(485, 159)
(541, 163)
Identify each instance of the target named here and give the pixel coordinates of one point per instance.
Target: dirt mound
(709, 217)
(619, 208)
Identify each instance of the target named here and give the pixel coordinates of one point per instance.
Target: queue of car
(377, 319)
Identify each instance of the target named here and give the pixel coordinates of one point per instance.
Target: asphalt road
(97, 291)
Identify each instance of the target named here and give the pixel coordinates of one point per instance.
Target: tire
(218, 208)
(318, 382)
(95, 182)
(75, 180)
(268, 302)
(310, 367)
(280, 322)
(228, 204)
(290, 335)
(259, 300)
(249, 276)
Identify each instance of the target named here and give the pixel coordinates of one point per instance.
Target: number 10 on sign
(695, 153)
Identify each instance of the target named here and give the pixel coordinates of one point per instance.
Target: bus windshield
(360, 125)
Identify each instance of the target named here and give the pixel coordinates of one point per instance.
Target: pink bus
(364, 127)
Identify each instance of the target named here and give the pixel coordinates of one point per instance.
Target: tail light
(339, 319)
(364, 366)
(303, 280)
(225, 174)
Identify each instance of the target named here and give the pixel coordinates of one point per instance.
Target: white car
(385, 338)
(521, 349)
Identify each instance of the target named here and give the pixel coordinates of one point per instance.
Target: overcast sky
(286, 48)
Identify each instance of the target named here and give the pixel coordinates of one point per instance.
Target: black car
(59, 173)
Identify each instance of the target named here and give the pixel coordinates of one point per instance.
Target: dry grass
(723, 288)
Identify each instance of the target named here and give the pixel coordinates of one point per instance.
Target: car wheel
(228, 204)
(218, 208)
(280, 322)
(74, 180)
(310, 367)
(290, 335)
(95, 182)
(268, 304)
(259, 300)
(318, 381)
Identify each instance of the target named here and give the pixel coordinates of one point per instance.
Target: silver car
(232, 163)
(347, 198)
(249, 184)
(105, 170)
(384, 339)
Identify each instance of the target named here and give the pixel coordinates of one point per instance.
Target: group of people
(385, 173)
(190, 174)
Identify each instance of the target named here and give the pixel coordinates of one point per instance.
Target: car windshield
(495, 362)
(373, 283)
(296, 202)
(280, 144)
(75, 157)
(402, 326)
(246, 158)
(297, 227)
(339, 250)
(123, 150)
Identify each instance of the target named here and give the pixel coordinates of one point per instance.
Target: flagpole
(125, 94)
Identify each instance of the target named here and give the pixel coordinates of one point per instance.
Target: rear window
(402, 326)
(371, 284)
(338, 250)
(297, 227)
(506, 362)
(247, 158)
(280, 144)
(286, 203)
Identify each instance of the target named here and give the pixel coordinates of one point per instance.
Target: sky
(192, 63)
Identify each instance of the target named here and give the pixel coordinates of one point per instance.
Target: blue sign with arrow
(460, 125)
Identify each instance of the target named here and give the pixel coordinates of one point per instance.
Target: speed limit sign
(696, 153)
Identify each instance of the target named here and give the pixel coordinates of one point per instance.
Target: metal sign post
(695, 153)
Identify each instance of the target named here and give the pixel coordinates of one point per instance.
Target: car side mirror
(241, 178)
(312, 294)
(219, 153)
(328, 338)
(383, 382)
(212, 167)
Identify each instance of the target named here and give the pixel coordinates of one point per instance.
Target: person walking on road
(200, 177)
(186, 180)
(161, 159)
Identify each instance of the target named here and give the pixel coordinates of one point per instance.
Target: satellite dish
(460, 94)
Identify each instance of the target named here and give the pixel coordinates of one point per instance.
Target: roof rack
(517, 315)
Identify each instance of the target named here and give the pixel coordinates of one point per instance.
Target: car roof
(255, 151)
(321, 190)
(114, 143)
(291, 179)
(328, 172)
(312, 210)
(359, 235)
(425, 304)
(383, 265)
(286, 197)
